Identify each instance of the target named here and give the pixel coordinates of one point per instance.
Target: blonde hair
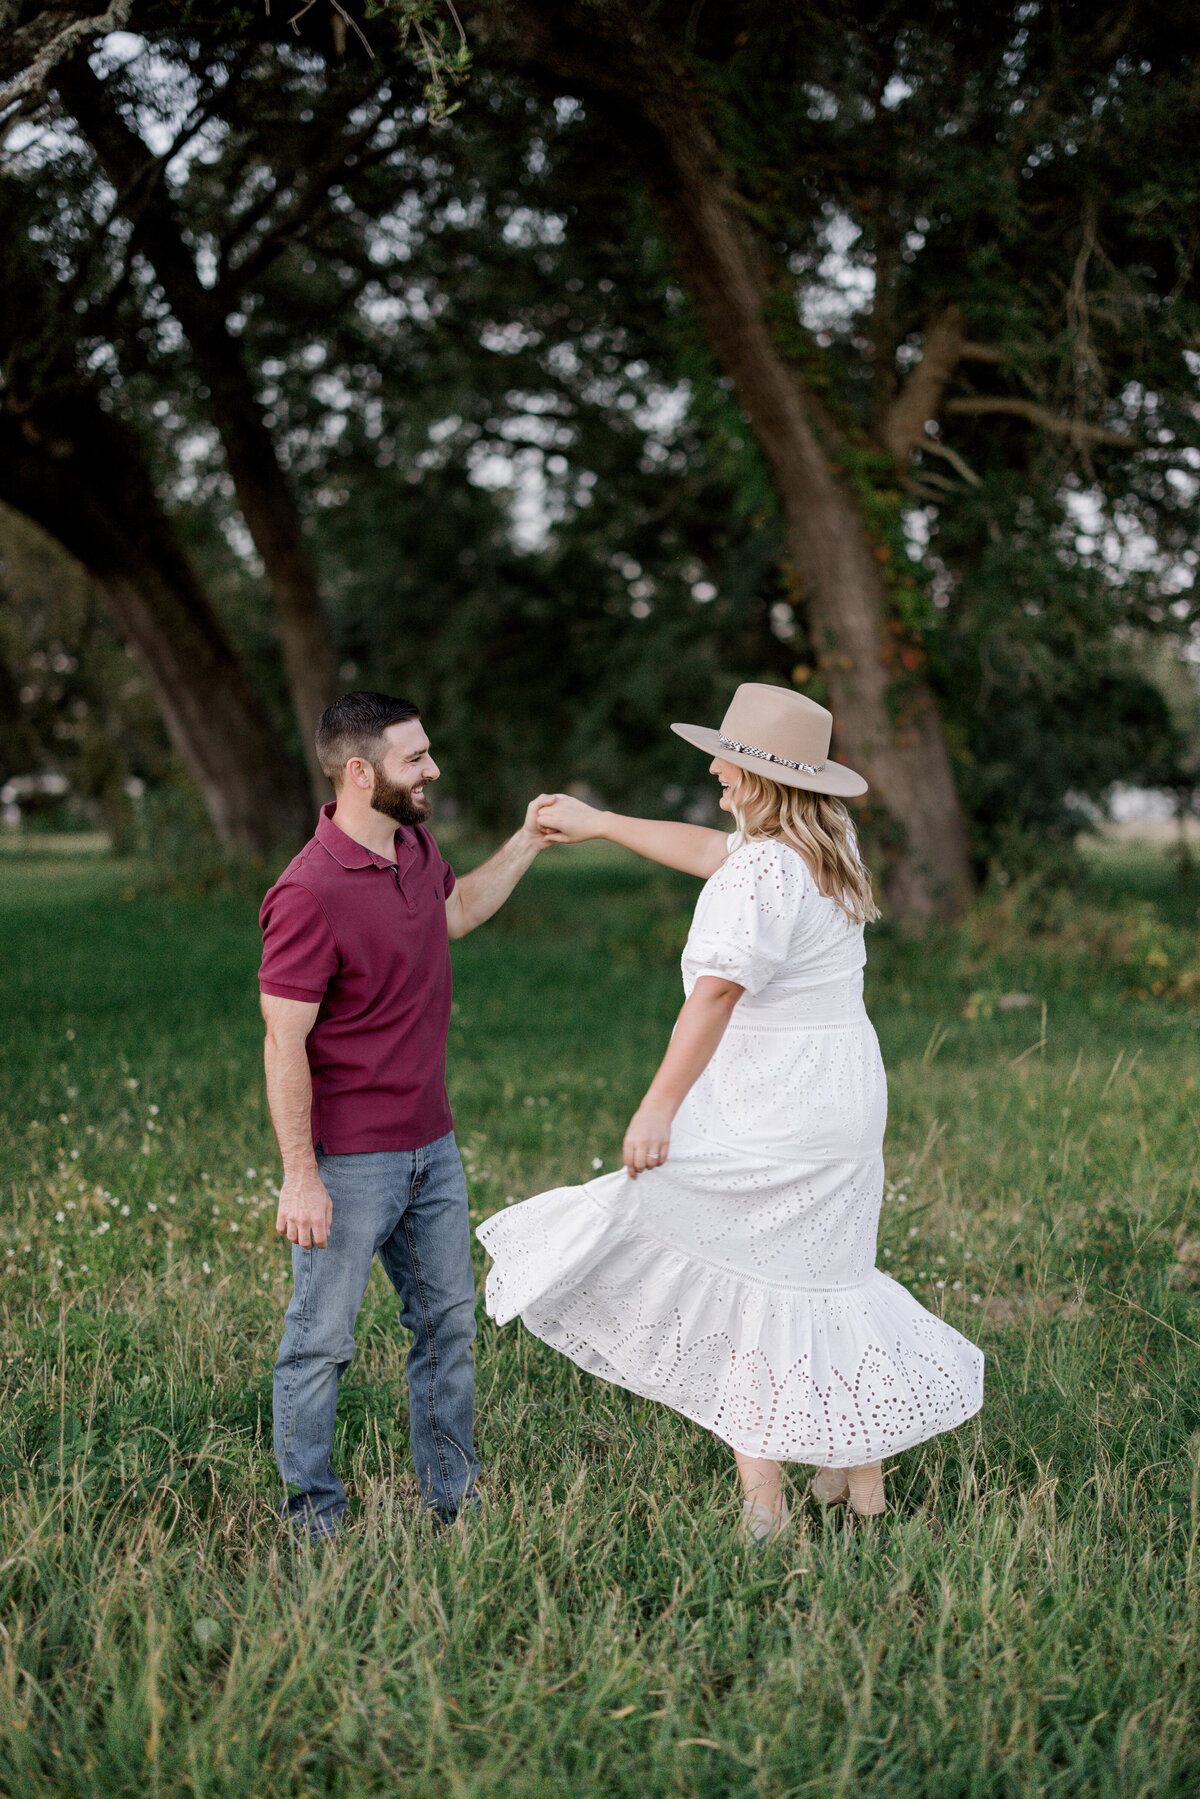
(819, 828)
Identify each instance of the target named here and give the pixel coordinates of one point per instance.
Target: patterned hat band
(748, 749)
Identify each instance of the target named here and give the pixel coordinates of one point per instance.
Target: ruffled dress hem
(840, 1376)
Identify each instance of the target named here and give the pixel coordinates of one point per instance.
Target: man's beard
(397, 802)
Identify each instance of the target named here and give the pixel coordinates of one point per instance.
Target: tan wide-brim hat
(780, 734)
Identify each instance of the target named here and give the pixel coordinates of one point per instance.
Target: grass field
(1026, 1622)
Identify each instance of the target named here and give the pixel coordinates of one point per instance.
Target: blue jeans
(408, 1207)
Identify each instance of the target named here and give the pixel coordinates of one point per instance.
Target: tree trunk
(262, 490)
(607, 53)
(78, 475)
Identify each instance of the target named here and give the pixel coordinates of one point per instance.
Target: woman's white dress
(737, 1282)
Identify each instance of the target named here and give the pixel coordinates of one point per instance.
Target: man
(355, 983)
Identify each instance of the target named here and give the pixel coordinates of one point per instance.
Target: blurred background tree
(450, 407)
(80, 734)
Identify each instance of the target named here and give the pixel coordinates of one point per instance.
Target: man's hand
(566, 820)
(305, 1212)
(533, 824)
(648, 1138)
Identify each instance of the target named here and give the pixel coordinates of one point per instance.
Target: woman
(728, 1270)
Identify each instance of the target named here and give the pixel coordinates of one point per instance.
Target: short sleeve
(747, 915)
(448, 879)
(300, 957)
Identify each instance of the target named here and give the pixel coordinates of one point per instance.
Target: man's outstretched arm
(305, 1208)
(486, 888)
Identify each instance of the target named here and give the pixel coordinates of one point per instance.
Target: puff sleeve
(748, 916)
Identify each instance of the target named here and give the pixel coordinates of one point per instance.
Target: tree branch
(288, 169)
(1077, 431)
(312, 195)
(31, 80)
(930, 446)
(903, 426)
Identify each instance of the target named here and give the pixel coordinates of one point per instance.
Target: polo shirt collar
(344, 849)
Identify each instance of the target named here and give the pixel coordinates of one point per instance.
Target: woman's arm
(693, 848)
(699, 1029)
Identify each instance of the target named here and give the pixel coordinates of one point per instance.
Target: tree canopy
(467, 405)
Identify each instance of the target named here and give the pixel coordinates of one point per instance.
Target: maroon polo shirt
(367, 940)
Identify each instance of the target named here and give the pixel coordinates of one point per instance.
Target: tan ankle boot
(760, 1524)
(829, 1486)
(867, 1496)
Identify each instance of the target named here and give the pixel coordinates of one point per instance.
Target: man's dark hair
(354, 726)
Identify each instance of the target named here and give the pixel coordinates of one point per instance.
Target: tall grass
(1026, 1621)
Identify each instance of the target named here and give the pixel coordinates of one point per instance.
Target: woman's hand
(648, 1138)
(566, 820)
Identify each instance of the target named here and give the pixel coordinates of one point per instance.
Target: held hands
(566, 820)
(533, 825)
(648, 1138)
(305, 1212)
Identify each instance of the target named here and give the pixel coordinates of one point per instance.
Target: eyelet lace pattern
(736, 1283)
